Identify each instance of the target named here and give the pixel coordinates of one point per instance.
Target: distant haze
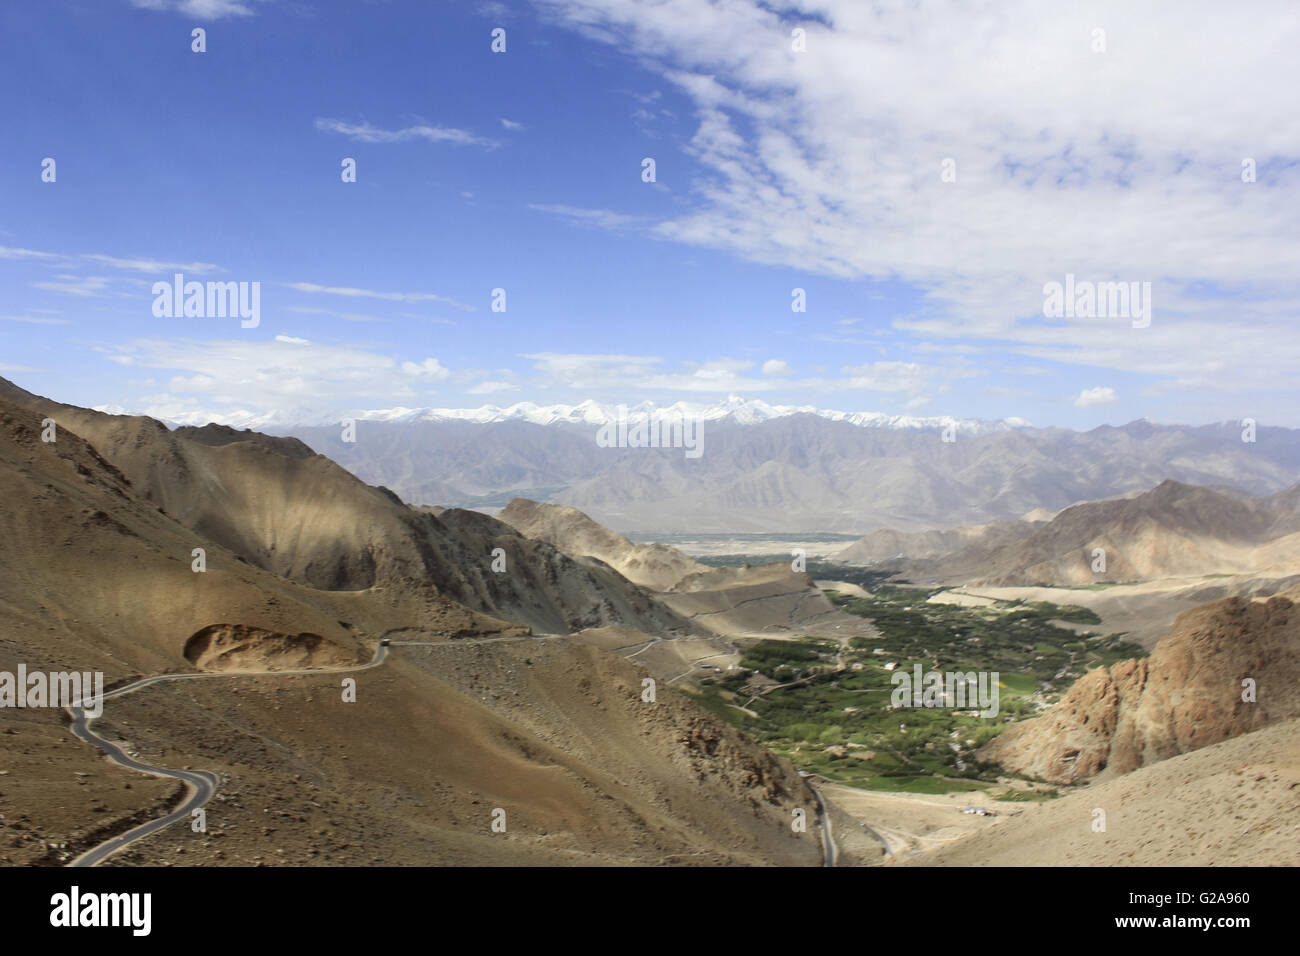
(802, 471)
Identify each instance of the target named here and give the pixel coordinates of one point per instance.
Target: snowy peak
(732, 410)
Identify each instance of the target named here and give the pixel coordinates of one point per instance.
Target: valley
(611, 700)
(826, 703)
(495, 444)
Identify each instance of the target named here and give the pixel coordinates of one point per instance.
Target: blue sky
(776, 169)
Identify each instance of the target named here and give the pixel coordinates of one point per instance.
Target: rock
(1186, 695)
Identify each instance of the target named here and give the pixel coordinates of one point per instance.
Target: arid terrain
(307, 567)
(1230, 804)
(374, 683)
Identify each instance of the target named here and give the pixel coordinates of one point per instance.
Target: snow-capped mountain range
(734, 410)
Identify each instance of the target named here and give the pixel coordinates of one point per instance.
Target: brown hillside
(654, 565)
(1186, 695)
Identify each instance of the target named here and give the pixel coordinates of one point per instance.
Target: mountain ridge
(587, 412)
(1171, 530)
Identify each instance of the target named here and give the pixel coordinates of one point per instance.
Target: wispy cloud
(349, 292)
(1109, 165)
(8, 252)
(85, 286)
(600, 218)
(426, 318)
(95, 286)
(612, 374)
(366, 133)
(283, 373)
(491, 388)
(199, 9)
(152, 265)
(34, 320)
(346, 316)
(73, 259)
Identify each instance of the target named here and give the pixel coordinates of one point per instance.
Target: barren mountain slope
(1186, 695)
(300, 516)
(92, 577)
(552, 733)
(1173, 530)
(887, 545)
(654, 566)
(1229, 804)
(769, 600)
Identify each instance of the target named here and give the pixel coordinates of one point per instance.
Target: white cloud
(889, 376)
(280, 374)
(430, 368)
(511, 124)
(152, 265)
(8, 252)
(350, 292)
(1096, 397)
(602, 218)
(199, 9)
(611, 374)
(86, 286)
(777, 367)
(426, 318)
(1120, 165)
(113, 262)
(34, 320)
(95, 286)
(491, 388)
(365, 133)
(346, 316)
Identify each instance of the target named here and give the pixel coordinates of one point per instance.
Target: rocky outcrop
(1188, 694)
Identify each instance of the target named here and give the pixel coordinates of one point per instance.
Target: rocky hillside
(279, 506)
(94, 575)
(1186, 695)
(1229, 804)
(654, 566)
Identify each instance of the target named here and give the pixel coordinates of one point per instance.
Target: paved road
(830, 851)
(201, 785)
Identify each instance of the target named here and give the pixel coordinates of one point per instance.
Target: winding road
(201, 785)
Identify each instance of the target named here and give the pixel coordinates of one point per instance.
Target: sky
(921, 171)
